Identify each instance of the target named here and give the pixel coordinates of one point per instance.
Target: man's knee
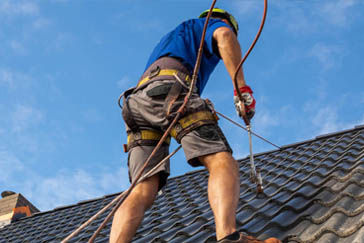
(219, 160)
(145, 192)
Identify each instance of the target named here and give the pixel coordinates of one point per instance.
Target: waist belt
(164, 72)
(191, 122)
(144, 137)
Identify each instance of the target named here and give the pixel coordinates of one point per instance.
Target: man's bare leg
(223, 190)
(130, 214)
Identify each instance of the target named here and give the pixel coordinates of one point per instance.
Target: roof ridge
(358, 127)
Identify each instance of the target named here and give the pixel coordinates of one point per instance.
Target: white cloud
(361, 122)
(12, 8)
(6, 78)
(292, 16)
(18, 47)
(68, 187)
(118, 178)
(266, 119)
(41, 23)
(59, 42)
(60, 1)
(327, 55)
(10, 165)
(124, 83)
(61, 187)
(12, 79)
(92, 116)
(326, 119)
(25, 116)
(246, 7)
(297, 21)
(302, 17)
(337, 12)
(151, 25)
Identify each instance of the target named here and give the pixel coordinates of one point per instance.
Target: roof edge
(359, 127)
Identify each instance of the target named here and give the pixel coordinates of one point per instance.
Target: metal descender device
(255, 176)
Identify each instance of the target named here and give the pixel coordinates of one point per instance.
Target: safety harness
(166, 68)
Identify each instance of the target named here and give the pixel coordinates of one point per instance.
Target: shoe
(250, 239)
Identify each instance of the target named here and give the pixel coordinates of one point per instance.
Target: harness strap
(164, 68)
(164, 72)
(171, 98)
(191, 122)
(144, 138)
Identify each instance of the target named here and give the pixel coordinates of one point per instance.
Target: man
(149, 108)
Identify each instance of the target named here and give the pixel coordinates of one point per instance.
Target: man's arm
(230, 52)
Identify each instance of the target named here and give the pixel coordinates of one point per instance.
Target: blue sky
(64, 63)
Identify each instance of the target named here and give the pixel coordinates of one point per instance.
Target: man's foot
(249, 239)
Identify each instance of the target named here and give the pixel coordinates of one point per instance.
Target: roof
(313, 193)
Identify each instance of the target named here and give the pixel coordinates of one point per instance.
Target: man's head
(220, 13)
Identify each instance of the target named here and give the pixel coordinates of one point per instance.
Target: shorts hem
(193, 160)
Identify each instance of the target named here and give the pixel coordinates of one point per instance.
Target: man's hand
(248, 102)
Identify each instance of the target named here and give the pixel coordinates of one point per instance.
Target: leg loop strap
(144, 138)
(191, 122)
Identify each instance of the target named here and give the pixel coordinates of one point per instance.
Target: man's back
(183, 43)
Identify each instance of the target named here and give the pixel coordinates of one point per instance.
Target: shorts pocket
(159, 92)
(208, 132)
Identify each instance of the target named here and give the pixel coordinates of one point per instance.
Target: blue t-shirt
(183, 42)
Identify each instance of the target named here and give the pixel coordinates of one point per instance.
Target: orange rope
(166, 133)
(235, 79)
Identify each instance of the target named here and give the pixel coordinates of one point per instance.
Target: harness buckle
(178, 128)
(154, 72)
(137, 136)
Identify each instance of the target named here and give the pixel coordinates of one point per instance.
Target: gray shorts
(148, 112)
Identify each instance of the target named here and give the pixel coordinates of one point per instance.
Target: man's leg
(223, 190)
(130, 214)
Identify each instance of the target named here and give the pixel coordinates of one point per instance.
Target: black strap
(171, 98)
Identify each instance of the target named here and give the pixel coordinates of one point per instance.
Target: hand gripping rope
(120, 199)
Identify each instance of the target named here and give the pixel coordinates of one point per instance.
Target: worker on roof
(149, 108)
